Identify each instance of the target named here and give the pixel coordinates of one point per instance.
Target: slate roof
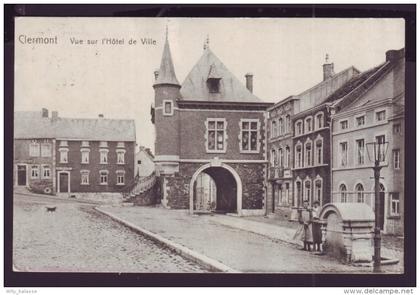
(166, 70)
(33, 125)
(209, 65)
(364, 80)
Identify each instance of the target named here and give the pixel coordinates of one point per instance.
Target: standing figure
(316, 227)
(304, 232)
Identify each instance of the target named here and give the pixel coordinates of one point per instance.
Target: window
(319, 121)
(396, 158)
(120, 157)
(214, 85)
(34, 149)
(64, 155)
(299, 128)
(360, 194)
(284, 194)
(319, 152)
(168, 108)
(281, 126)
(84, 174)
(343, 193)
(344, 124)
(120, 177)
(216, 135)
(104, 156)
(380, 140)
(85, 156)
(343, 154)
(395, 204)
(34, 172)
(103, 177)
(298, 153)
(308, 154)
(307, 191)
(360, 121)
(380, 116)
(360, 149)
(249, 138)
(273, 158)
(318, 190)
(281, 158)
(396, 128)
(46, 150)
(287, 155)
(308, 124)
(46, 172)
(287, 124)
(273, 129)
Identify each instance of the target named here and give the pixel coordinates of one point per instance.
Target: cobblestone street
(76, 238)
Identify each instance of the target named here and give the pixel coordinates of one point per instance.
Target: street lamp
(377, 152)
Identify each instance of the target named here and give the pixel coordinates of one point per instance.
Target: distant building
(145, 164)
(372, 112)
(66, 155)
(210, 124)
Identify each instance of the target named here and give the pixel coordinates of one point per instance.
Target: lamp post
(376, 153)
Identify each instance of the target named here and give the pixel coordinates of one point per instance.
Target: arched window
(273, 129)
(343, 193)
(287, 124)
(307, 191)
(281, 164)
(298, 156)
(281, 126)
(319, 120)
(273, 158)
(308, 124)
(308, 154)
(299, 128)
(319, 152)
(318, 190)
(360, 194)
(287, 155)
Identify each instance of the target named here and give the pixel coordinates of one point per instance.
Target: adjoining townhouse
(145, 164)
(372, 112)
(210, 124)
(286, 150)
(279, 146)
(34, 152)
(77, 156)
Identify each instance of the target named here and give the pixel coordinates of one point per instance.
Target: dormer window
(214, 85)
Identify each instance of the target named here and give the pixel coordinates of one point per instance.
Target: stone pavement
(239, 243)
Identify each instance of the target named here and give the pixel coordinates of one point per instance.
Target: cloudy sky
(84, 80)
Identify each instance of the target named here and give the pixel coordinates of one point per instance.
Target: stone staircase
(142, 192)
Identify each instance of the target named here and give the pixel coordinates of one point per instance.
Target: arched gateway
(228, 197)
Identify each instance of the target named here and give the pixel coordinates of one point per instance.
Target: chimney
(156, 72)
(44, 113)
(328, 68)
(54, 115)
(394, 55)
(101, 116)
(249, 81)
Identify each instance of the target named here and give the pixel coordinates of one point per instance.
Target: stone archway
(229, 187)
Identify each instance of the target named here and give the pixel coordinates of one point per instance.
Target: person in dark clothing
(316, 227)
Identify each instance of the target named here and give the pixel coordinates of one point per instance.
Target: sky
(84, 80)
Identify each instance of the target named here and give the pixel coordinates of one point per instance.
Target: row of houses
(253, 158)
(55, 155)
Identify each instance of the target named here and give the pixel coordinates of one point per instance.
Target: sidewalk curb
(182, 250)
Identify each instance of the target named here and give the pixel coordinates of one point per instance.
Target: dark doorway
(64, 182)
(225, 191)
(21, 175)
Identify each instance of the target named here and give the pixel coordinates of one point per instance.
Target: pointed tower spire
(166, 71)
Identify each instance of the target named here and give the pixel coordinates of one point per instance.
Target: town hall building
(210, 130)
